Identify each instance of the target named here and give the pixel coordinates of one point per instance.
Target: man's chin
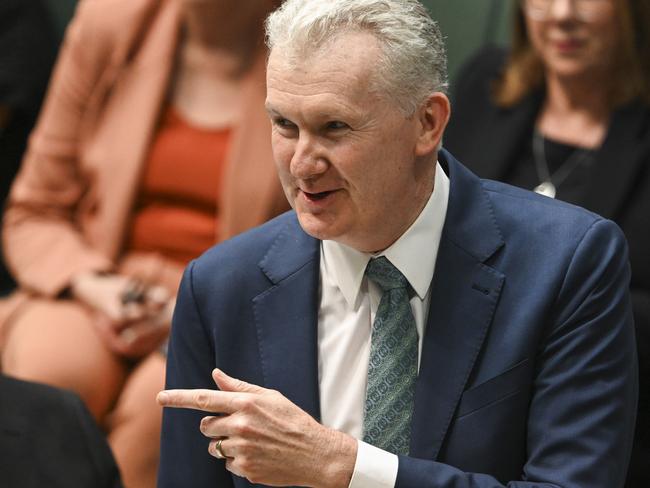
(317, 226)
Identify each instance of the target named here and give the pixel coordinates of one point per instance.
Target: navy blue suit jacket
(527, 376)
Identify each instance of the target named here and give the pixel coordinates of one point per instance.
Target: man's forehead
(305, 80)
(344, 67)
(318, 93)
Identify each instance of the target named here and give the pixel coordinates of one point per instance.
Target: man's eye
(284, 123)
(336, 125)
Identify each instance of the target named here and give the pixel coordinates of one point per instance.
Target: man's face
(346, 156)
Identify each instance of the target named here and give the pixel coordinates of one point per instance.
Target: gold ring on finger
(218, 451)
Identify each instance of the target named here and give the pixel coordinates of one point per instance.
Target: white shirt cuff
(373, 468)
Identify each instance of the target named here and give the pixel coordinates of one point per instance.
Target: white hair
(413, 63)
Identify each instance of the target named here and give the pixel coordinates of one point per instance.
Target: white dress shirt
(348, 303)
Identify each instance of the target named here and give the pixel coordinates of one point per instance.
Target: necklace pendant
(545, 188)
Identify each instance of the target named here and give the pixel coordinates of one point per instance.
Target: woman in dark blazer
(566, 112)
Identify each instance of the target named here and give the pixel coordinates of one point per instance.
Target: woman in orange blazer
(97, 212)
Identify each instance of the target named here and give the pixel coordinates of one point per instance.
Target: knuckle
(247, 404)
(275, 395)
(202, 400)
(242, 426)
(233, 405)
(247, 449)
(246, 464)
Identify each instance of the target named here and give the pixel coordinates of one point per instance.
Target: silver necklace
(549, 182)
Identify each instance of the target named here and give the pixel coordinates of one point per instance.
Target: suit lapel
(464, 295)
(286, 317)
(619, 160)
(130, 95)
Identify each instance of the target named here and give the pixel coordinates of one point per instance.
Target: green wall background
(469, 24)
(466, 24)
(61, 12)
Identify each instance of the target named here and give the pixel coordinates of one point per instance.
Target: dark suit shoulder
(532, 207)
(235, 264)
(524, 216)
(249, 246)
(72, 450)
(18, 397)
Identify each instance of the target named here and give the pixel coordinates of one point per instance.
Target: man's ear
(433, 115)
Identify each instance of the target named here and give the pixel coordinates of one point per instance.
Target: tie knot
(388, 277)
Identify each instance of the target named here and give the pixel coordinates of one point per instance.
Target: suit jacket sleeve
(42, 243)
(581, 416)
(184, 450)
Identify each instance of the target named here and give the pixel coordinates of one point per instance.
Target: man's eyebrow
(270, 110)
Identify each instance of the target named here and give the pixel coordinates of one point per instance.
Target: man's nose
(308, 158)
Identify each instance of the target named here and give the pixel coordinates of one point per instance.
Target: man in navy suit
(509, 359)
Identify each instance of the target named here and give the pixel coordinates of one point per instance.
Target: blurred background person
(566, 113)
(27, 52)
(153, 144)
(71, 449)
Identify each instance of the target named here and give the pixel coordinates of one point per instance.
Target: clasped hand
(265, 437)
(131, 327)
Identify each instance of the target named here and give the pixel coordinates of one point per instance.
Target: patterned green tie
(393, 366)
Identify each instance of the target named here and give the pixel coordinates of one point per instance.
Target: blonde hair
(524, 71)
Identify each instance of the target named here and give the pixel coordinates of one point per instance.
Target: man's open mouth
(317, 196)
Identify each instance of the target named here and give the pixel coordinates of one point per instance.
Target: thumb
(228, 383)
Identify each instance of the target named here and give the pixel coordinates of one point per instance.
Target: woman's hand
(131, 317)
(139, 338)
(103, 293)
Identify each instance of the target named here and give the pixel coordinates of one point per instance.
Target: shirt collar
(414, 253)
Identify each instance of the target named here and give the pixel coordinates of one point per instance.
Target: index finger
(213, 401)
